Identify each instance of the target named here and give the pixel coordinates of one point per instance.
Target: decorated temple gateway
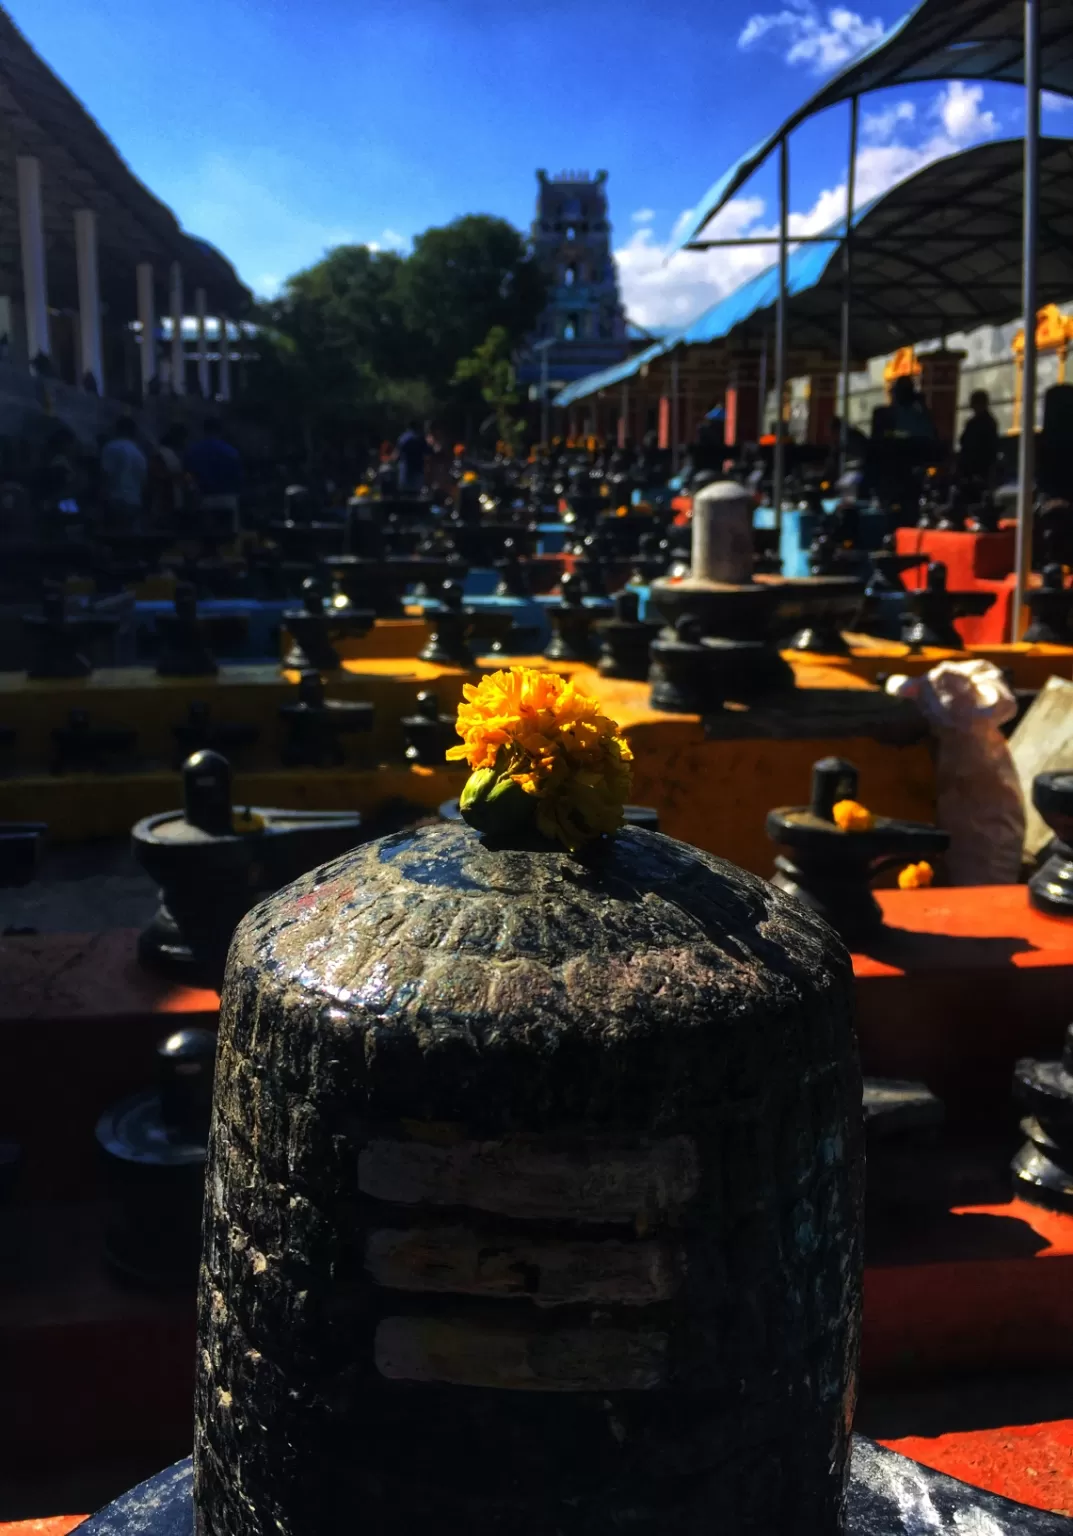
(537, 993)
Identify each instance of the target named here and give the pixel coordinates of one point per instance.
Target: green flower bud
(493, 803)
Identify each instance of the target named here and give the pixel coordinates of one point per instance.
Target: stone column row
(35, 293)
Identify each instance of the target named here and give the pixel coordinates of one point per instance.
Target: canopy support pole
(779, 467)
(847, 280)
(1026, 477)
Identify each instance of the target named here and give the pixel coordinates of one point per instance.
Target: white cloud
(1054, 103)
(958, 110)
(664, 289)
(805, 35)
(879, 127)
(643, 215)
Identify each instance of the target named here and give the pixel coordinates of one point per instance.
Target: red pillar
(743, 403)
(822, 407)
(664, 421)
(940, 380)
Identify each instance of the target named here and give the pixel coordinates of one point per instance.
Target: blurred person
(411, 453)
(978, 445)
(124, 471)
(215, 468)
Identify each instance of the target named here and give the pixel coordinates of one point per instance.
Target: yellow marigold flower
(916, 877)
(852, 817)
(470, 476)
(534, 737)
(362, 490)
(246, 822)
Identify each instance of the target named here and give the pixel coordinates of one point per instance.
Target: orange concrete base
(958, 985)
(1029, 1463)
(985, 1289)
(59, 1525)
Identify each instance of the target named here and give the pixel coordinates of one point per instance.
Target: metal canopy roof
(940, 40)
(939, 253)
(81, 168)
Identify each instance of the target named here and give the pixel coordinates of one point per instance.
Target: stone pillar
(225, 360)
(940, 380)
(743, 403)
(722, 534)
(147, 317)
(32, 241)
(822, 407)
(204, 378)
(178, 353)
(89, 298)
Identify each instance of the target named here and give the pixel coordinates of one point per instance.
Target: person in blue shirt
(215, 467)
(411, 451)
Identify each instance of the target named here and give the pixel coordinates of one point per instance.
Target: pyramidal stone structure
(585, 319)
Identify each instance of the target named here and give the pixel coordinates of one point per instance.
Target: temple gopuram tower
(571, 236)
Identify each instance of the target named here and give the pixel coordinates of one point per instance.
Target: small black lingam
(888, 567)
(830, 866)
(82, 747)
(1051, 888)
(451, 623)
(200, 732)
(315, 724)
(625, 640)
(513, 580)
(317, 624)
(933, 609)
(214, 863)
(571, 622)
(1051, 607)
(154, 1146)
(821, 634)
(428, 733)
(530, 1173)
(57, 640)
(1043, 1168)
(20, 846)
(185, 650)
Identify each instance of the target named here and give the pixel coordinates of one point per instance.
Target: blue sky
(277, 128)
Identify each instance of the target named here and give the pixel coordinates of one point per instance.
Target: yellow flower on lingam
(542, 753)
(916, 877)
(852, 817)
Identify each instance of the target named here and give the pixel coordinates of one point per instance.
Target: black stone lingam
(876, 615)
(535, 1273)
(625, 640)
(154, 1147)
(314, 725)
(451, 624)
(589, 568)
(20, 846)
(513, 580)
(952, 515)
(201, 732)
(317, 625)
(822, 632)
(1051, 888)
(651, 560)
(717, 645)
(1043, 1168)
(571, 622)
(932, 610)
(82, 747)
(1051, 607)
(888, 567)
(428, 733)
(185, 649)
(831, 870)
(57, 641)
(213, 864)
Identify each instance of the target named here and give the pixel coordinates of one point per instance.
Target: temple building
(584, 325)
(90, 262)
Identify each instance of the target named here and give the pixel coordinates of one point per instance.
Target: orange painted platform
(979, 1289)
(1029, 1463)
(958, 985)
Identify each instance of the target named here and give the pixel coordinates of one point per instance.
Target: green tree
(490, 368)
(461, 282)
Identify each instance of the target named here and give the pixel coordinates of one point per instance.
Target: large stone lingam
(534, 1185)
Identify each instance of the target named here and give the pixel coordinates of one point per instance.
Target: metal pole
(1026, 477)
(847, 279)
(674, 414)
(779, 474)
(544, 398)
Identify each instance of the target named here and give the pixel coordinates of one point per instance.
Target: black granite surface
(889, 1496)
